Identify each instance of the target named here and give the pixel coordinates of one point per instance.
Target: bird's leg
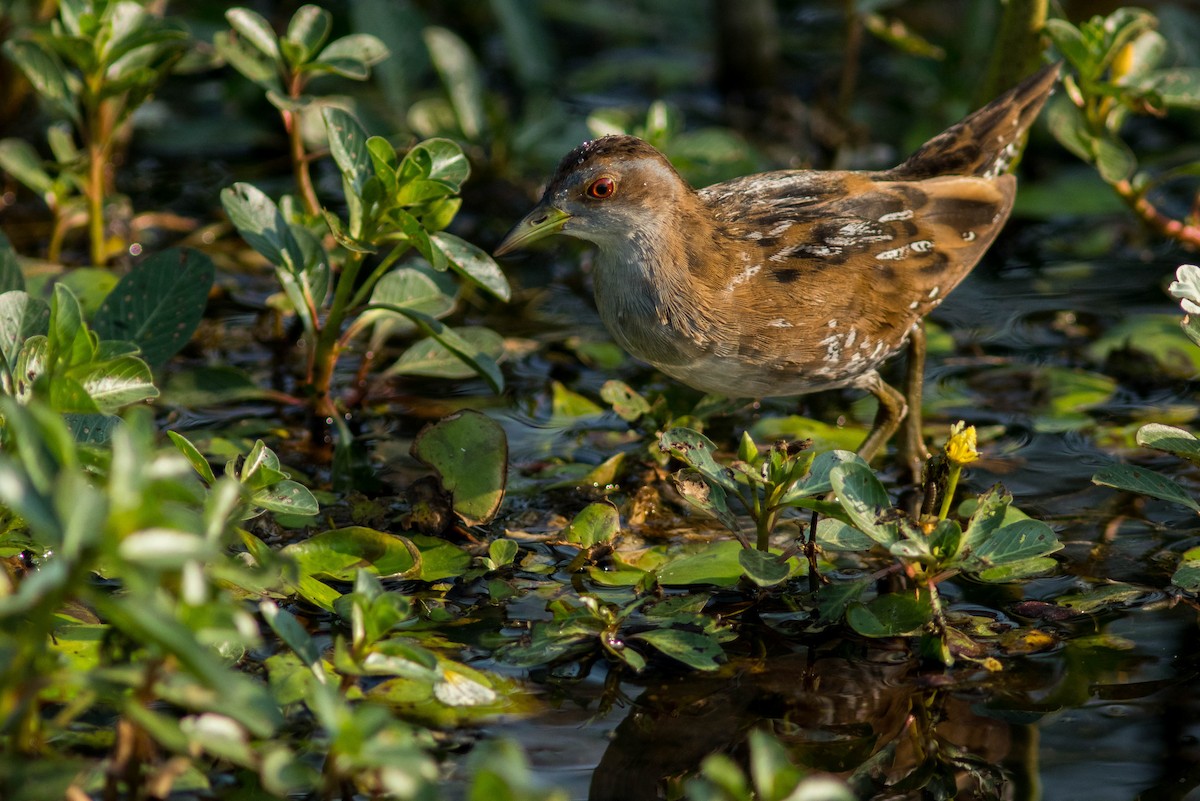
(887, 418)
(911, 447)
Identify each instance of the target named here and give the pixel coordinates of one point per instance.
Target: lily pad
(469, 452)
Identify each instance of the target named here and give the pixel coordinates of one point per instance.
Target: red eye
(602, 188)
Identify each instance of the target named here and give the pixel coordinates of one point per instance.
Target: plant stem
(951, 486)
(300, 160)
(1183, 232)
(95, 203)
(327, 347)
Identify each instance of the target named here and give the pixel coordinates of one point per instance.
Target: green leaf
(818, 481)
(697, 651)
(431, 358)
(256, 30)
(1178, 87)
(286, 497)
(348, 145)
(460, 74)
(891, 615)
(626, 402)
(440, 160)
(117, 383)
(194, 457)
(469, 452)
(502, 551)
(1173, 440)
(697, 451)
(46, 73)
(473, 264)
(482, 363)
(774, 776)
(763, 568)
(351, 56)
(20, 160)
(1016, 542)
(865, 500)
(1187, 576)
(158, 304)
(1132, 478)
(21, 316)
(1015, 571)
(716, 563)
(247, 59)
(263, 226)
(418, 289)
(988, 517)
(339, 553)
(706, 496)
(597, 523)
(307, 31)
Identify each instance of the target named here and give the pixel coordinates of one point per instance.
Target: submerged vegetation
(236, 566)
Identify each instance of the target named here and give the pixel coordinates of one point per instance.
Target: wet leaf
(1015, 571)
(706, 496)
(763, 568)
(716, 563)
(865, 500)
(597, 523)
(693, 649)
(215, 385)
(1104, 597)
(158, 304)
(502, 551)
(1173, 440)
(469, 452)
(263, 226)
(892, 615)
(339, 553)
(1187, 576)
(1132, 478)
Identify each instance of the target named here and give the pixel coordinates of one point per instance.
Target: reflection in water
(870, 716)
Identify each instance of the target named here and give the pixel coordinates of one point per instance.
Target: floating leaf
(716, 563)
(763, 568)
(596, 524)
(891, 615)
(469, 452)
(697, 651)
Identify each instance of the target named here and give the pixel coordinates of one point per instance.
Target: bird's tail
(986, 142)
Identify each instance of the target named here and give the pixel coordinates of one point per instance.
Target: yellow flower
(960, 448)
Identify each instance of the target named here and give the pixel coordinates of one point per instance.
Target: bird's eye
(602, 188)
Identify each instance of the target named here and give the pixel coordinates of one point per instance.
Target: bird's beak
(540, 223)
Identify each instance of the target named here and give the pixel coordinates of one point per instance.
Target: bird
(792, 281)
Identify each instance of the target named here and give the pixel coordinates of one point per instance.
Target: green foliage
(1116, 72)
(396, 205)
(676, 628)
(94, 65)
(771, 777)
(469, 453)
